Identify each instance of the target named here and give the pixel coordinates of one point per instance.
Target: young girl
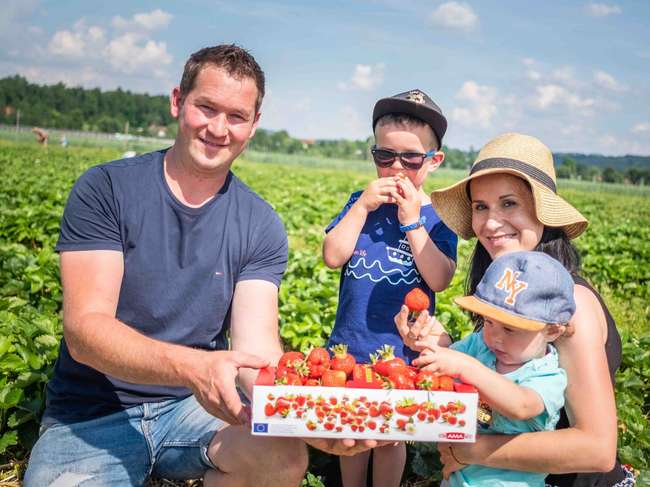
(526, 300)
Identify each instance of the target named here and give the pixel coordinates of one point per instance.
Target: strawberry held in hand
(416, 301)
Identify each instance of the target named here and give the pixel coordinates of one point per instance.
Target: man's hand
(343, 447)
(408, 201)
(377, 193)
(214, 386)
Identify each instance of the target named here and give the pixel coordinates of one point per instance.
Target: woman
(510, 202)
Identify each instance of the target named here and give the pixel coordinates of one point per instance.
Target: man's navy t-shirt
(181, 266)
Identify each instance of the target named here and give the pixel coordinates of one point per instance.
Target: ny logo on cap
(416, 95)
(509, 283)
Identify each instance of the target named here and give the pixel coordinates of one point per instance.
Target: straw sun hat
(520, 155)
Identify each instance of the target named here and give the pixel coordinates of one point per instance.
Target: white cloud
(602, 9)
(67, 44)
(565, 75)
(533, 75)
(480, 105)
(455, 15)
(153, 20)
(607, 81)
(528, 61)
(555, 95)
(641, 128)
(128, 53)
(365, 77)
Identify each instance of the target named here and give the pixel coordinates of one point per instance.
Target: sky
(572, 73)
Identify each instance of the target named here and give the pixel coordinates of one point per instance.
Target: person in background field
(510, 203)
(525, 300)
(161, 257)
(389, 240)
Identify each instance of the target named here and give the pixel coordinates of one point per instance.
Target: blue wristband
(413, 226)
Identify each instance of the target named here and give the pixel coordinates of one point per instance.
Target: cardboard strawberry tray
(380, 414)
(323, 396)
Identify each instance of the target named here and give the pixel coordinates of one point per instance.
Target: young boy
(388, 239)
(526, 301)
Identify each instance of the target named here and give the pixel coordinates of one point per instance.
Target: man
(170, 268)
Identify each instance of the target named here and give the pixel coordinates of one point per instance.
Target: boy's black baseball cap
(415, 103)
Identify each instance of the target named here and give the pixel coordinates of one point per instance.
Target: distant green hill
(620, 163)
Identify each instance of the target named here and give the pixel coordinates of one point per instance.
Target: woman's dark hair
(554, 242)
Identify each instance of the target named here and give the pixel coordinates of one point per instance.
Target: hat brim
(454, 207)
(482, 308)
(436, 120)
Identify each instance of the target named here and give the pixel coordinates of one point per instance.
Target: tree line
(77, 108)
(571, 169)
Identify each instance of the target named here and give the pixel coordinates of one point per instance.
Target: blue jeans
(168, 439)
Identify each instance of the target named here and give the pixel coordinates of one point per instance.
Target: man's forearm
(114, 348)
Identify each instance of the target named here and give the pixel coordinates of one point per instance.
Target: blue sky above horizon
(574, 75)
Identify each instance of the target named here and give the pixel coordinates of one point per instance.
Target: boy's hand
(408, 201)
(445, 361)
(377, 193)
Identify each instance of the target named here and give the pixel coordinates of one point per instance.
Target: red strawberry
(426, 380)
(312, 382)
(342, 360)
(399, 379)
(452, 420)
(265, 377)
(289, 358)
(269, 409)
(282, 406)
(406, 407)
(462, 387)
(311, 426)
(385, 409)
(385, 362)
(333, 378)
(318, 361)
(416, 301)
(446, 383)
(371, 425)
(363, 377)
(329, 426)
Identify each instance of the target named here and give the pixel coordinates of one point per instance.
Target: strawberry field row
(34, 183)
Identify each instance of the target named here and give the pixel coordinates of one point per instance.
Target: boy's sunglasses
(409, 160)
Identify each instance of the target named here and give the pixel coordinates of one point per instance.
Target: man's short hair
(236, 61)
(405, 119)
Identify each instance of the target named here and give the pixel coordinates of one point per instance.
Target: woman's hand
(451, 460)
(425, 332)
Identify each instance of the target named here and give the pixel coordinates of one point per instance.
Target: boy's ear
(551, 332)
(436, 160)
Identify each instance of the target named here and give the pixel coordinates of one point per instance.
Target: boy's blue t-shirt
(181, 266)
(377, 277)
(544, 376)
